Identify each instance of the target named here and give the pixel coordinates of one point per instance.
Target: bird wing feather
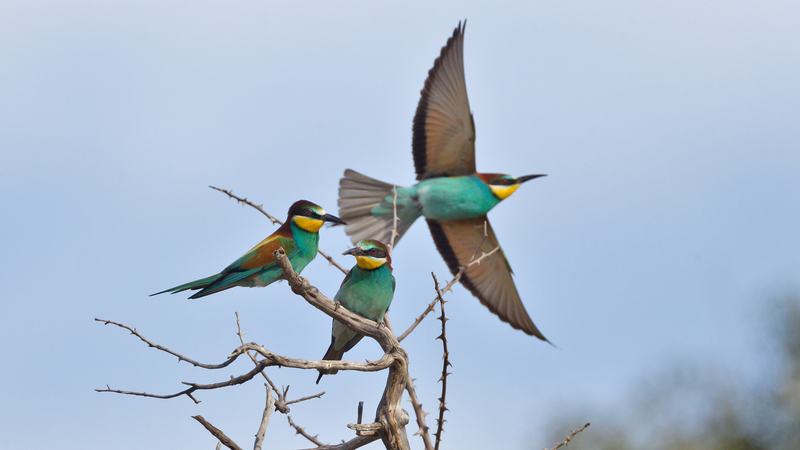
(444, 131)
(261, 255)
(490, 280)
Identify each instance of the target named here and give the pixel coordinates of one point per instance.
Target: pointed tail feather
(227, 280)
(336, 355)
(366, 204)
(331, 355)
(193, 285)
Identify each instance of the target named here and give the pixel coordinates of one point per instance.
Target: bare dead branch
(260, 208)
(445, 362)
(280, 402)
(367, 429)
(356, 442)
(225, 440)
(165, 349)
(262, 429)
(419, 413)
(418, 320)
(306, 398)
(302, 432)
(569, 438)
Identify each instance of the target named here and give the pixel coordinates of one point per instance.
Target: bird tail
(367, 205)
(331, 355)
(197, 284)
(336, 355)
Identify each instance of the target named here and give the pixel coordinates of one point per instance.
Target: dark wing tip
(451, 259)
(419, 140)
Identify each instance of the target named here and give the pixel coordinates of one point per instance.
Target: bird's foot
(336, 305)
(372, 363)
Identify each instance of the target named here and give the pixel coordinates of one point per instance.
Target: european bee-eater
(367, 290)
(299, 237)
(450, 194)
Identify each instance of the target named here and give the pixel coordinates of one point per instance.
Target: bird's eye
(507, 181)
(310, 213)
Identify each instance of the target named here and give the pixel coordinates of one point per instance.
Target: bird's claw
(336, 305)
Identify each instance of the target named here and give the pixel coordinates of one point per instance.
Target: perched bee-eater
(450, 194)
(299, 237)
(367, 290)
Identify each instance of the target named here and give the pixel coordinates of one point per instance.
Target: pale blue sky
(669, 131)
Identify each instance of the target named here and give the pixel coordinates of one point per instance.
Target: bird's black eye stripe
(310, 213)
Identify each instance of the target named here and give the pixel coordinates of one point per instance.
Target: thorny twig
(260, 208)
(270, 359)
(302, 432)
(445, 362)
(165, 349)
(423, 428)
(569, 438)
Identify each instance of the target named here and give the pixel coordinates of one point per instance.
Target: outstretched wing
(444, 132)
(490, 281)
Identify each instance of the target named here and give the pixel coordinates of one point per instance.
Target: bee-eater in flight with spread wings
(452, 196)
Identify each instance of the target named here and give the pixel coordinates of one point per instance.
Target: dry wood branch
(352, 444)
(262, 429)
(223, 439)
(569, 438)
(419, 413)
(280, 402)
(445, 362)
(302, 432)
(260, 208)
(165, 349)
(390, 414)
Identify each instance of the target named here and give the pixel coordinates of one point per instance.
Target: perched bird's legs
(336, 305)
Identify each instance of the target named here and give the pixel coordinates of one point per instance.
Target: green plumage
(366, 292)
(257, 267)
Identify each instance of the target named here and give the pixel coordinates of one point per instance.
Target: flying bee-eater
(298, 236)
(452, 196)
(367, 290)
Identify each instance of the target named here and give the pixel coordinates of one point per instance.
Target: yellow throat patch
(308, 224)
(502, 192)
(369, 263)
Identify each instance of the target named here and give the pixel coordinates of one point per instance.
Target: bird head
(370, 254)
(504, 185)
(310, 217)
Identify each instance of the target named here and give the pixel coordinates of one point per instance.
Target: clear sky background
(670, 132)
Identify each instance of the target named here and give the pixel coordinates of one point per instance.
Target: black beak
(355, 252)
(333, 219)
(521, 180)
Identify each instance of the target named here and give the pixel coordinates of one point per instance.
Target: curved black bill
(521, 180)
(333, 219)
(355, 252)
